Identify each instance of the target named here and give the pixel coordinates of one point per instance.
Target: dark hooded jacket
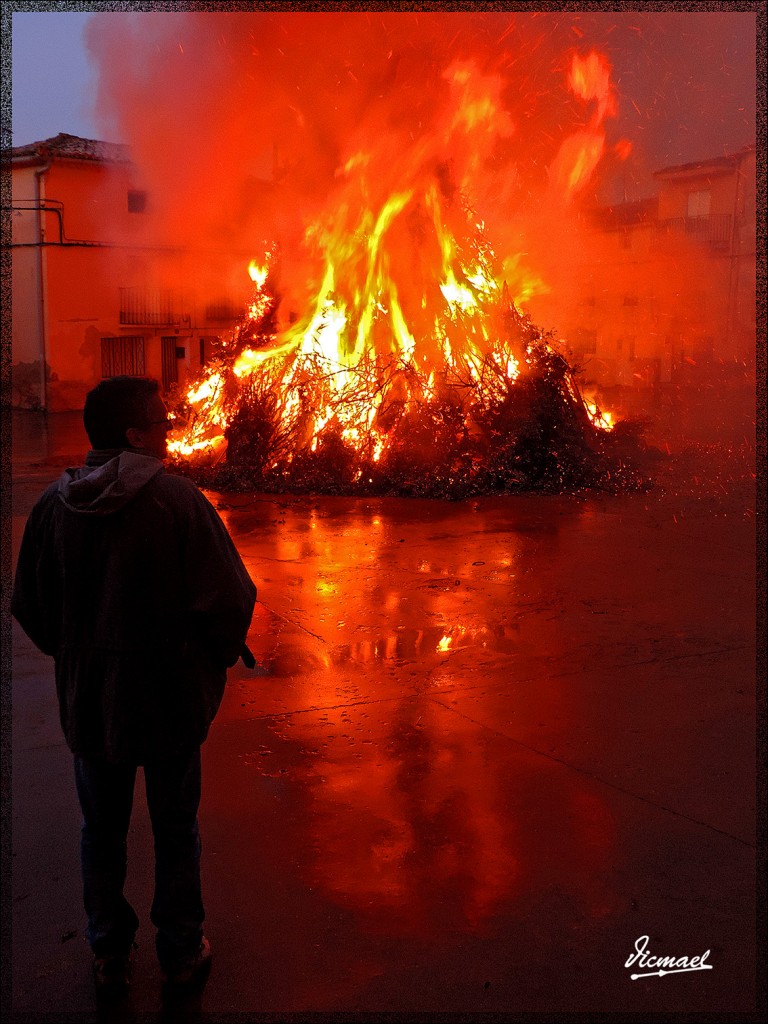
(128, 578)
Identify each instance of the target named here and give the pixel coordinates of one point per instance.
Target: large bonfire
(414, 368)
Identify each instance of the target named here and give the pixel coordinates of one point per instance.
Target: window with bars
(150, 306)
(122, 356)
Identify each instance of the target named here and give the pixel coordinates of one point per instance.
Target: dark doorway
(169, 362)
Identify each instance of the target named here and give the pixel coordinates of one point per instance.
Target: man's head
(127, 412)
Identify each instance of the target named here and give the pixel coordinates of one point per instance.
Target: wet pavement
(488, 746)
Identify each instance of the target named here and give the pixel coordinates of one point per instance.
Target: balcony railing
(155, 307)
(224, 310)
(150, 307)
(714, 230)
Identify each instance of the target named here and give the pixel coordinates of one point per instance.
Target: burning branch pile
(406, 365)
(510, 419)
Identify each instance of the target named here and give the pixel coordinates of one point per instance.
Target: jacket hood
(107, 481)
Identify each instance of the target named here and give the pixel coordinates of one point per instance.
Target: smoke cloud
(249, 128)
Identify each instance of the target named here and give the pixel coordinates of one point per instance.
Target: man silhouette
(128, 578)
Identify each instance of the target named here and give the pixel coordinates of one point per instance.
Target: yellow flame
(206, 389)
(600, 417)
(458, 295)
(590, 79)
(258, 274)
(386, 303)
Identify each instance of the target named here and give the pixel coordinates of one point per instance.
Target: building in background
(662, 289)
(96, 289)
(667, 284)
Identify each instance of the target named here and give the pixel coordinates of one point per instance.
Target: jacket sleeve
(36, 602)
(220, 591)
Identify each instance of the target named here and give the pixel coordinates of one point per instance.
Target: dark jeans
(105, 790)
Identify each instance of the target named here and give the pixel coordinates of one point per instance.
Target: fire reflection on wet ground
(422, 829)
(464, 696)
(486, 746)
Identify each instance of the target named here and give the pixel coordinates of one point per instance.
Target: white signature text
(664, 964)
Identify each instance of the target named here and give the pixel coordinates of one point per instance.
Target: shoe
(112, 975)
(189, 971)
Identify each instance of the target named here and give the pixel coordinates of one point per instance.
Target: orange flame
(410, 290)
(580, 153)
(590, 79)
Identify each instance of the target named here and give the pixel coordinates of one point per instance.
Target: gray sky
(685, 81)
(52, 78)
